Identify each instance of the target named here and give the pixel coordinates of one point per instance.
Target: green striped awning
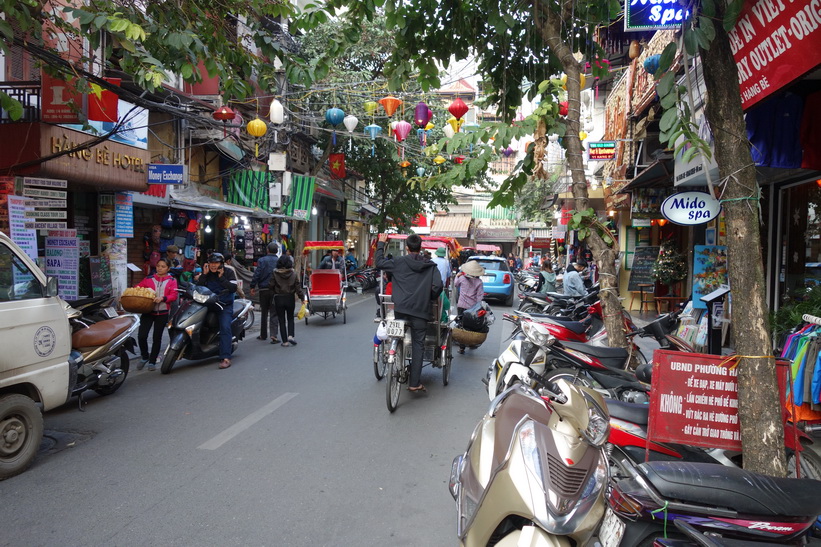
(250, 189)
(480, 210)
(300, 200)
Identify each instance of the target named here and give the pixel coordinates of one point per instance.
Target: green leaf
(706, 24)
(665, 85)
(690, 41)
(607, 239)
(12, 106)
(708, 8)
(732, 13)
(701, 37)
(668, 119)
(668, 101)
(577, 218)
(187, 70)
(667, 57)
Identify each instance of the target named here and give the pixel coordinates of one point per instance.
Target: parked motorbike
(534, 472)
(95, 308)
(194, 332)
(725, 502)
(536, 355)
(100, 350)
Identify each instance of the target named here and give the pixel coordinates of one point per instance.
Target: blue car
(498, 279)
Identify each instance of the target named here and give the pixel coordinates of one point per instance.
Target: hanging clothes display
(803, 349)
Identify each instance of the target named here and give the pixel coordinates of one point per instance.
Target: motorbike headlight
(537, 333)
(530, 451)
(201, 298)
(598, 422)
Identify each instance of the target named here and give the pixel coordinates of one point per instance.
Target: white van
(35, 344)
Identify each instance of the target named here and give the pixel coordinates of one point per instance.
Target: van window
(16, 280)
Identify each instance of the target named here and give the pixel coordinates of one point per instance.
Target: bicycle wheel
(379, 361)
(447, 358)
(395, 364)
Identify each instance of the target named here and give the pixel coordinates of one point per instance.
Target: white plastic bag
(382, 331)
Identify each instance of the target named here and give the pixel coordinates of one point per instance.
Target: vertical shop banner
(117, 254)
(709, 271)
(774, 42)
(301, 198)
(249, 188)
(123, 214)
(63, 261)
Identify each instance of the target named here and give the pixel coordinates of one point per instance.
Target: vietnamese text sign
(123, 214)
(63, 261)
(161, 173)
(602, 150)
(773, 43)
(694, 400)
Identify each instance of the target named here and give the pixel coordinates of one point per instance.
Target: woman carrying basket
(471, 289)
(165, 287)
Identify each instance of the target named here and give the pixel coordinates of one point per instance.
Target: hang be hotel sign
(690, 208)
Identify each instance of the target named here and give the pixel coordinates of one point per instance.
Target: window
(497, 265)
(16, 280)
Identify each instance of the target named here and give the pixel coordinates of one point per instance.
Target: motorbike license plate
(396, 328)
(612, 529)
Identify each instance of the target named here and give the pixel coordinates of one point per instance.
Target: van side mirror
(51, 287)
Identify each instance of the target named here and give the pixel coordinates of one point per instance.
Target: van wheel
(21, 430)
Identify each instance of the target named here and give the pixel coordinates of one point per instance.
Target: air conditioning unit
(651, 150)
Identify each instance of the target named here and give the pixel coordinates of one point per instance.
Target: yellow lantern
(256, 128)
(370, 107)
(582, 81)
(455, 124)
(429, 126)
(582, 135)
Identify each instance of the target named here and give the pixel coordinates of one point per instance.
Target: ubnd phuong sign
(640, 15)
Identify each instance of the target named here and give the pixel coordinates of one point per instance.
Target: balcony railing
(28, 94)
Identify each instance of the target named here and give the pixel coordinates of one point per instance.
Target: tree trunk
(549, 25)
(762, 432)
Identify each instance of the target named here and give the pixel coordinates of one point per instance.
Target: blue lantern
(334, 116)
(373, 131)
(651, 64)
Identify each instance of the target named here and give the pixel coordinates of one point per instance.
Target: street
(290, 446)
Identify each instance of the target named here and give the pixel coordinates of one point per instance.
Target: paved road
(290, 446)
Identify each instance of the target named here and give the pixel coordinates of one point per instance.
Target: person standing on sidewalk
(285, 286)
(262, 279)
(416, 283)
(165, 288)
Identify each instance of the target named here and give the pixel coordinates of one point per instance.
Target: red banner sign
(774, 42)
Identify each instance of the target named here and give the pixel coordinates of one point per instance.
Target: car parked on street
(498, 278)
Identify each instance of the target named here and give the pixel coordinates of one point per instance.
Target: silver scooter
(534, 472)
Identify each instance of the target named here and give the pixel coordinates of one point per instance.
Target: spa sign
(690, 208)
(641, 15)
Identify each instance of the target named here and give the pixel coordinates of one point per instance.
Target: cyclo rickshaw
(392, 356)
(325, 290)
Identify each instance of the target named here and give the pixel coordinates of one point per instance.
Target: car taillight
(507, 279)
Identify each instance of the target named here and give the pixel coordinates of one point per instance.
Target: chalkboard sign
(95, 276)
(642, 270)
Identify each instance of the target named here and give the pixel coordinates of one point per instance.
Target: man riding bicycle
(416, 283)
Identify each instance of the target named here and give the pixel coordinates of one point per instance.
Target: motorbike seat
(238, 306)
(631, 412)
(81, 303)
(536, 295)
(613, 358)
(100, 333)
(576, 327)
(722, 486)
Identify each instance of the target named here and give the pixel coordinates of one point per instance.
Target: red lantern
(224, 114)
(458, 159)
(458, 108)
(563, 108)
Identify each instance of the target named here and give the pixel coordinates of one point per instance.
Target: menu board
(641, 271)
(95, 276)
(63, 261)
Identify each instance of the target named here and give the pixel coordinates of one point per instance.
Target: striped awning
(480, 210)
(450, 226)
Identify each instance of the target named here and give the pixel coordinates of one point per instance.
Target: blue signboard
(166, 173)
(641, 15)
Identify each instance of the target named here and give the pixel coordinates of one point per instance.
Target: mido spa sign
(690, 208)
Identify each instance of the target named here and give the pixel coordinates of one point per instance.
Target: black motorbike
(194, 328)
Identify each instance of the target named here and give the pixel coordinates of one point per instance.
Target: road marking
(245, 423)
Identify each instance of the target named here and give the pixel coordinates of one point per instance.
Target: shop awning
(451, 226)
(657, 175)
(539, 237)
(329, 192)
(189, 198)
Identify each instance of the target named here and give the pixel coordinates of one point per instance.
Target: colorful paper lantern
(563, 106)
(350, 122)
(420, 171)
(458, 108)
(582, 81)
(224, 114)
(455, 124)
(334, 116)
(429, 126)
(439, 160)
(508, 152)
(373, 131)
(277, 112)
(404, 164)
(421, 114)
(256, 128)
(582, 135)
(390, 104)
(651, 64)
(458, 159)
(448, 131)
(370, 107)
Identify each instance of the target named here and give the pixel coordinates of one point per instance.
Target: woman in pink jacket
(166, 288)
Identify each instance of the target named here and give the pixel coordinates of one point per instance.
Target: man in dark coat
(262, 278)
(416, 283)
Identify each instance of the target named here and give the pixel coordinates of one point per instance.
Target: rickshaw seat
(327, 282)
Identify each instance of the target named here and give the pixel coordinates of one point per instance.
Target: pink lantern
(402, 129)
(458, 108)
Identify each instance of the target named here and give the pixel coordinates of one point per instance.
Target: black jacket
(284, 281)
(416, 282)
(224, 286)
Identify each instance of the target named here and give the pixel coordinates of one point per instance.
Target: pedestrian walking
(262, 280)
(285, 286)
(165, 288)
(471, 289)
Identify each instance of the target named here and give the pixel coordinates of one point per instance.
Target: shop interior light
(313, 210)
(207, 229)
(244, 219)
(208, 215)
